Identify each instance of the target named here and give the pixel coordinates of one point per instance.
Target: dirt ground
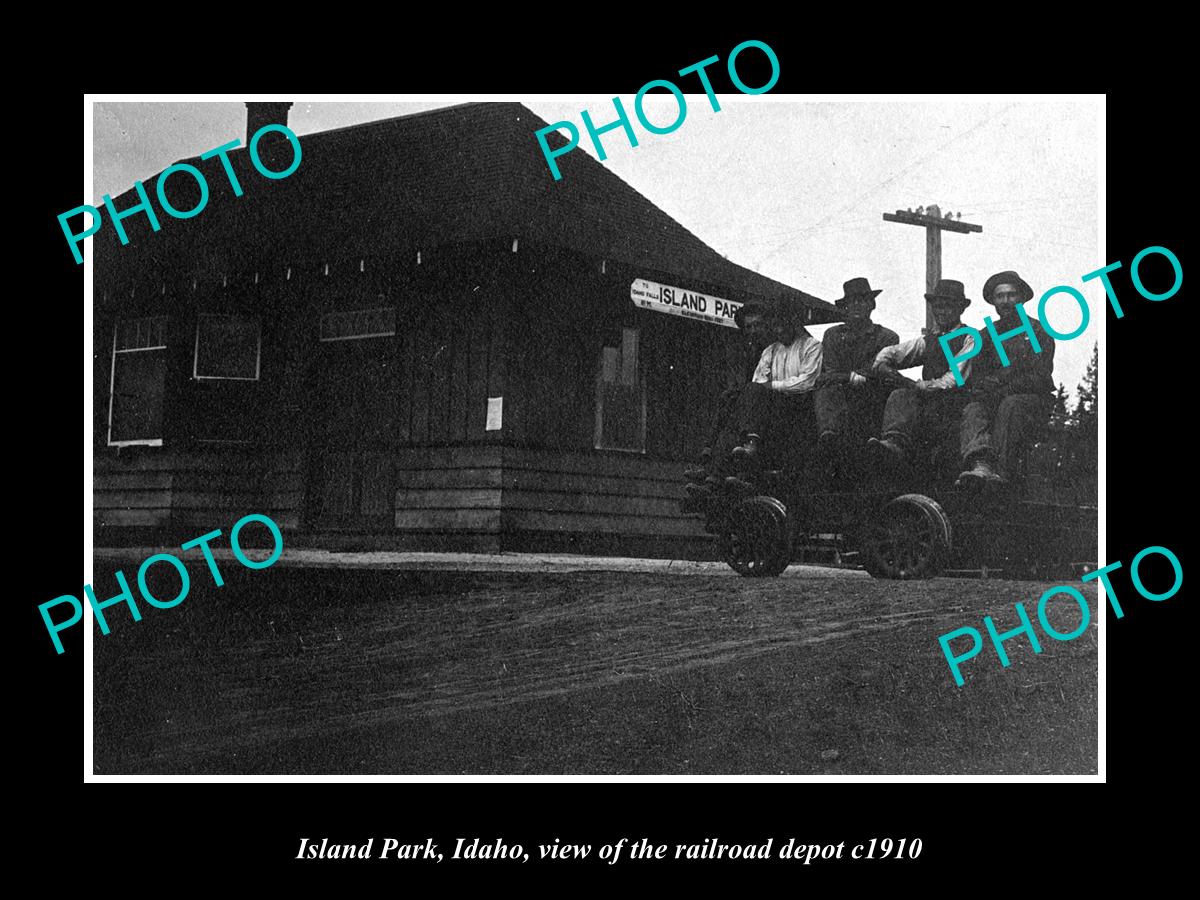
(317, 670)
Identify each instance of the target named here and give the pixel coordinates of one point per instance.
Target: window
(621, 396)
(227, 347)
(139, 367)
(358, 323)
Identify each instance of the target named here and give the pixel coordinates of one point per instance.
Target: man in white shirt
(756, 328)
(777, 403)
(931, 406)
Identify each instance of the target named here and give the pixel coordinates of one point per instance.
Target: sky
(789, 187)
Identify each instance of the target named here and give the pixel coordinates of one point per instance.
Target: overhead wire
(903, 171)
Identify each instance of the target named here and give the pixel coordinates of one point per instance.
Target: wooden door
(357, 396)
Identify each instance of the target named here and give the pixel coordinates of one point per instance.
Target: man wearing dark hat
(847, 393)
(929, 408)
(1008, 403)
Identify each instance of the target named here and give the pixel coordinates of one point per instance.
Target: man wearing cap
(848, 393)
(930, 407)
(1007, 403)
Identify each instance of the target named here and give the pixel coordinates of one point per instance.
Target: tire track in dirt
(545, 650)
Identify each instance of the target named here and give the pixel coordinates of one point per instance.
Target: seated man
(741, 360)
(930, 408)
(848, 395)
(776, 403)
(1007, 403)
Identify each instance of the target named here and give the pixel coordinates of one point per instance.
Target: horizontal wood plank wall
(282, 490)
(444, 491)
(131, 490)
(480, 495)
(194, 491)
(214, 491)
(519, 498)
(547, 491)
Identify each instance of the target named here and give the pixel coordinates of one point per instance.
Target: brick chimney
(260, 114)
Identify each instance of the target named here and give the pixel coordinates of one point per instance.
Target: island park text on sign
(679, 302)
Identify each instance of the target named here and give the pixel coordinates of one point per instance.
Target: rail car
(907, 522)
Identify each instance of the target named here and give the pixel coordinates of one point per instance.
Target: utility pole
(931, 218)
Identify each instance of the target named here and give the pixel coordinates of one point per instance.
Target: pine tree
(1062, 435)
(1061, 418)
(1087, 431)
(1086, 409)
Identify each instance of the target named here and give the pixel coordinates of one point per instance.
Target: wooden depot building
(419, 339)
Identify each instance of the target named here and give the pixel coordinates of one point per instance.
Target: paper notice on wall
(495, 414)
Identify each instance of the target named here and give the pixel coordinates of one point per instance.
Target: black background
(990, 830)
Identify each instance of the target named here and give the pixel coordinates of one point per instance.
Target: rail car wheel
(911, 538)
(756, 539)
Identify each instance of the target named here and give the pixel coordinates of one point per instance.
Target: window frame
(257, 320)
(112, 382)
(321, 339)
(640, 379)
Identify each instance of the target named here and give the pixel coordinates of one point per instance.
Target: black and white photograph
(533, 436)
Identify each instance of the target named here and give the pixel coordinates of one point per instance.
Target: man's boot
(749, 452)
(740, 488)
(827, 444)
(887, 450)
(980, 473)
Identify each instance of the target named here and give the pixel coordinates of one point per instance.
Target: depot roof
(460, 173)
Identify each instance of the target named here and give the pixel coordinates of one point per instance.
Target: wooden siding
(451, 348)
(194, 491)
(539, 499)
(472, 323)
(449, 489)
(482, 497)
(582, 494)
